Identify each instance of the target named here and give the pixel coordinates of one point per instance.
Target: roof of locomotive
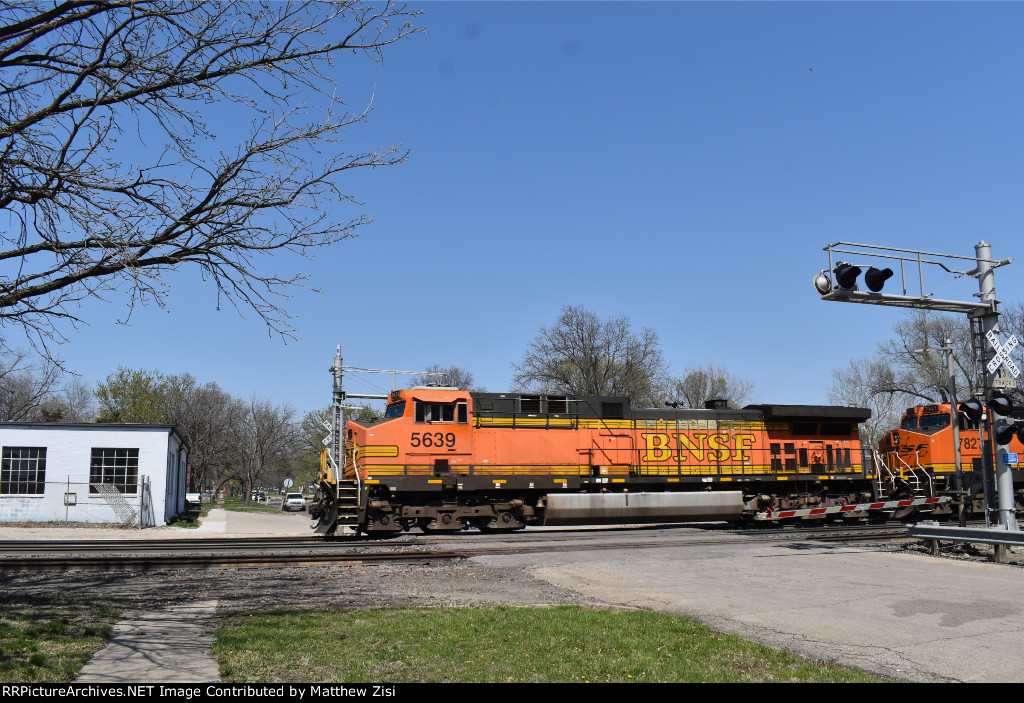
(620, 407)
(827, 412)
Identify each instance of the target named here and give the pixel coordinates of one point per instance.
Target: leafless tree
(699, 384)
(858, 385)
(583, 355)
(27, 383)
(205, 417)
(916, 369)
(266, 441)
(454, 376)
(71, 402)
(110, 175)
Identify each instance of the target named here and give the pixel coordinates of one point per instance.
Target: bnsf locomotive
(445, 460)
(919, 456)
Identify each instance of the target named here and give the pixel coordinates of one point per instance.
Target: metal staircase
(348, 504)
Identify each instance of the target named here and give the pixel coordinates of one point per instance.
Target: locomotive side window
(435, 412)
(462, 413)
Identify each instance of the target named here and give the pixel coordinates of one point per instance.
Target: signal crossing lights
(972, 409)
(1000, 404)
(846, 278)
(846, 275)
(1004, 428)
(875, 278)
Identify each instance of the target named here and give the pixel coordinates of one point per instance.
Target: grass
(47, 639)
(239, 505)
(192, 518)
(474, 645)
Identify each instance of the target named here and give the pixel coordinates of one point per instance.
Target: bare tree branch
(84, 85)
(583, 355)
(699, 384)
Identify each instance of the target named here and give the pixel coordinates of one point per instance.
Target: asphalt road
(906, 615)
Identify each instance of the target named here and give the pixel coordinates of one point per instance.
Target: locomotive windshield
(934, 423)
(395, 410)
(909, 423)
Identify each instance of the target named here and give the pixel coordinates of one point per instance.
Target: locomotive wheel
(325, 506)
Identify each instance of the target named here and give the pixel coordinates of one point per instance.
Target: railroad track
(278, 552)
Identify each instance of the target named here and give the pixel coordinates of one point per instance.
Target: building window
(116, 467)
(23, 471)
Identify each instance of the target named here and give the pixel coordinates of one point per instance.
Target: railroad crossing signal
(846, 278)
(875, 278)
(1004, 429)
(972, 408)
(1002, 357)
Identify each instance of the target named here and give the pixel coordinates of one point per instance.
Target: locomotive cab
(921, 452)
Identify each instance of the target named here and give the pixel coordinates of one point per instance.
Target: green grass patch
(474, 645)
(47, 640)
(239, 505)
(192, 518)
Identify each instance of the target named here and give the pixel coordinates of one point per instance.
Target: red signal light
(972, 409)
(1000, 404)
(875, 278)
(1004, 431)
(846, 275)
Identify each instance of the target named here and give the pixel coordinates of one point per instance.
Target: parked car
(293, 501)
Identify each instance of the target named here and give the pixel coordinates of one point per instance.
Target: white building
(107, 473)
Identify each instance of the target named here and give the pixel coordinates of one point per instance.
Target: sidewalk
(173, 645)
(169, 646)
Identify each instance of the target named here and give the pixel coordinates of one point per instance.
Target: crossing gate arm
(832, 510)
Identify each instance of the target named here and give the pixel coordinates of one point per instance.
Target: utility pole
(955, 419)
(990, 322)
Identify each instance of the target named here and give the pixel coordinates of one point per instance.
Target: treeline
(910, 367)
(248, 442)
(255, 442)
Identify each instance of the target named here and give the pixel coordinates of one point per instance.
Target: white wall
(162, 459)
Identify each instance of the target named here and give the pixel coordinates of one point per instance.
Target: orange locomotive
(919, 457)
(443, 459)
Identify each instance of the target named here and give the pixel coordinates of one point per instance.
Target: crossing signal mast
(839, 282)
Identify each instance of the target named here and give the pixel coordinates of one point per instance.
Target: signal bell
(822, 283)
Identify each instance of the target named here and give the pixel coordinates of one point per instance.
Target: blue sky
(677, 163)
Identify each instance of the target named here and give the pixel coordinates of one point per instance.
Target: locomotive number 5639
(432, 439)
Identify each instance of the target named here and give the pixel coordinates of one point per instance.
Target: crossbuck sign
(1002, 357)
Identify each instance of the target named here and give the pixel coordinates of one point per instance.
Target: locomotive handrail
(355, 472)
(913, 470)
(931, 484)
